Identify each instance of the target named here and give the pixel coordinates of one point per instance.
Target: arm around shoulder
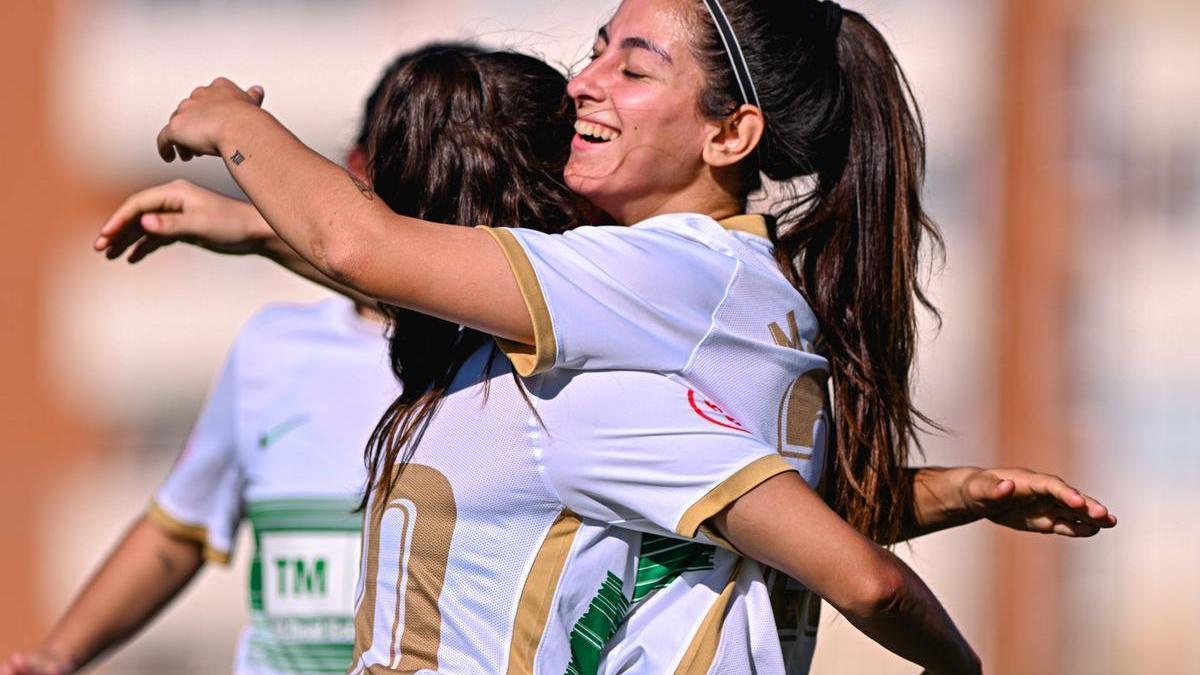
(783, 523)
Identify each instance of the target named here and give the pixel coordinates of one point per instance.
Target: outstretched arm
(144, 573)
(180, 211)
(336, 223)
(785, 524)
(1018, 498)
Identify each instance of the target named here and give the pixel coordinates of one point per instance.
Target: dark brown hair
(839, 112)
(459, 135)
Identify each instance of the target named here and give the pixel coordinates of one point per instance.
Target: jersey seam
(540, 461)
(712, 319)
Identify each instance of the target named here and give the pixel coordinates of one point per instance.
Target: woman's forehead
(662, 23)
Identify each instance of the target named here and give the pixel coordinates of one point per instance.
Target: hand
(1033, 502)
(36, 663)
(195, 126)
(180, 211)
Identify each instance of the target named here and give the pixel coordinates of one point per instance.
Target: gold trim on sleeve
(698, 658)
(750, 224)
(159, 516)
(533, 609)
(533, 359)
(746, 479)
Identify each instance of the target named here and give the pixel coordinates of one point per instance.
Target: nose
(585, 86)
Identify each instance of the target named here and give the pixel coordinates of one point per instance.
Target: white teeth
(584, 128)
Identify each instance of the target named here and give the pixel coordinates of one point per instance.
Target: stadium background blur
(1064, 168)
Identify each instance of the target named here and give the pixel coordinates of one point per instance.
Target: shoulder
(277, 324)
(688, 242)
(283, 317)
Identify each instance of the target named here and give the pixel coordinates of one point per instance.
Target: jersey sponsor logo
(272, 436)
(802, 416)
(309, 574)
(712, 412)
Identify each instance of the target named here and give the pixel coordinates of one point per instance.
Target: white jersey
(522, 533)
(280, 443)
(703, 303)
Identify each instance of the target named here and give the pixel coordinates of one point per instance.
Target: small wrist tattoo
(237, 158)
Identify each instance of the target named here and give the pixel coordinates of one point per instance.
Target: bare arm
(1017, 498)
(335, 223)
(785, 524)
(146, 571)
(179, 211)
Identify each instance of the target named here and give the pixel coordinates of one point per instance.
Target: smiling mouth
(595, 133)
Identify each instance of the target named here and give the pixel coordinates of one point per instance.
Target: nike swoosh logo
(282, 429)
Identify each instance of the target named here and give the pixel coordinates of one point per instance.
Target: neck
(703, 197)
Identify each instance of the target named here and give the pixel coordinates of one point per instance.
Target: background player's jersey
(511, 542)
(280, 443)
(705, 304)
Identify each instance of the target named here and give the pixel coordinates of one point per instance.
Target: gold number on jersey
(410, 531)
(803, 403)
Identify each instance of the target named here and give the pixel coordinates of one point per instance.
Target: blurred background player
(279, 443)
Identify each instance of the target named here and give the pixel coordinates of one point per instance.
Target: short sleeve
(638, 450)
(201, 498)
(603, 298)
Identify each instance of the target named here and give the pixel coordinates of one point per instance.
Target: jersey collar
(752, 224)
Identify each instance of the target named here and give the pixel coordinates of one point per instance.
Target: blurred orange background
(1064, 168)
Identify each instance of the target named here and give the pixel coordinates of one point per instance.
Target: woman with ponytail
(685, 106)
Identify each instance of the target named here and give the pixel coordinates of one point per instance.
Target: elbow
(878, 592)
(339, 258)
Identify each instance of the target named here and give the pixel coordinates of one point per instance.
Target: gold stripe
(526, 359)
(700, 653)
(746, 479)
(533, 609)
(751, 224)
(716, 538)
(157, 515)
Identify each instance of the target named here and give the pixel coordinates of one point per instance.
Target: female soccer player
(678, 294)
(280, 440)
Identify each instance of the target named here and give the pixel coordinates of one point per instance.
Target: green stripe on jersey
(304, 515)
(663, 559)
(597, 626)
(301, 658)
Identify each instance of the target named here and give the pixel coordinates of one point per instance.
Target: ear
(732, 139)
(356, 164)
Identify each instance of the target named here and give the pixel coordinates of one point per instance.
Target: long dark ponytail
(839, 112)
(459, 135)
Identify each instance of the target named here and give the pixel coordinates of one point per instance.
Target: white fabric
(620, 451)
(706, 306)
(280, 443)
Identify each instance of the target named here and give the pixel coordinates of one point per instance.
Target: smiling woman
(680, 114)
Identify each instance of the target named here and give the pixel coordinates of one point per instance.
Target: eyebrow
(638, 43)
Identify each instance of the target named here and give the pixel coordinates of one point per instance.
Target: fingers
(1035, 484)
(128, 215)
(146, 246)
(123, 240)
(1075, 530)
(257, 93)
(166, 149)
(1065, 527)
(985, 491)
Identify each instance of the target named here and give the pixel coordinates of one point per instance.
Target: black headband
(734, 49)
(828, 12)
